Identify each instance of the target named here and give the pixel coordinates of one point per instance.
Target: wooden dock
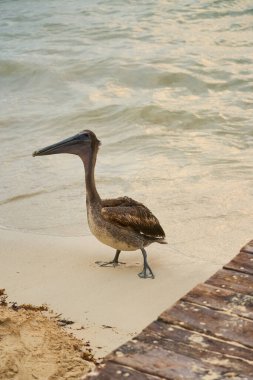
(207, 334)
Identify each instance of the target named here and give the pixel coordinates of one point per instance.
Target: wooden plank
(211, 322)
(196, 346)
(169, 365)
(116, 371)
(248, 247)
(243, 262)
(177, 337)
(221, 299)
(229, 279)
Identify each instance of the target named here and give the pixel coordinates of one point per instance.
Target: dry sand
(108, 305)
(34, 346)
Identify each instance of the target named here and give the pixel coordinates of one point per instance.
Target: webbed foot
(146, 273)
(114, 263)
(109, 263)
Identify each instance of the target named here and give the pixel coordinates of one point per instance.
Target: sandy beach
(108, 305)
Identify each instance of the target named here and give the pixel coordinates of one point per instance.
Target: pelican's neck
(89, 161)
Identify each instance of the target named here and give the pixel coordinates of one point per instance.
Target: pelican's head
(80, 144)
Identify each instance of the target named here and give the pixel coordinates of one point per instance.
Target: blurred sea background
(167, 87)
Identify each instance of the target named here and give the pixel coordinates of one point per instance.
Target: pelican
(122, 223)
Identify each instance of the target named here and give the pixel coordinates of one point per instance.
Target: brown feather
(129, 213)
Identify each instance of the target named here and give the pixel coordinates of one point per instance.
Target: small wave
(216, 13)
(106, 120)
(10, 67)
(183, 79)
(20, 197)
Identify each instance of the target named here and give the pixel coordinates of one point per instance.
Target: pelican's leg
(115, 262)
(147, 272)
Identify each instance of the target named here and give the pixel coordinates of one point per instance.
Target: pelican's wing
(121, 201)
(130, 213)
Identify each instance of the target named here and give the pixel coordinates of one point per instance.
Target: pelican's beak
(70, 145)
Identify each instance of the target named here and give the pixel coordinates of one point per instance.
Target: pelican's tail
(161, 241)
(152, 239)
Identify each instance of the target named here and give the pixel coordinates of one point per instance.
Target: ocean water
(167, 87)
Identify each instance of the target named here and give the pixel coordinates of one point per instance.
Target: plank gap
(183, 313)
(221, 299)
(179, 339)
(168, 363)
(225, 279)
